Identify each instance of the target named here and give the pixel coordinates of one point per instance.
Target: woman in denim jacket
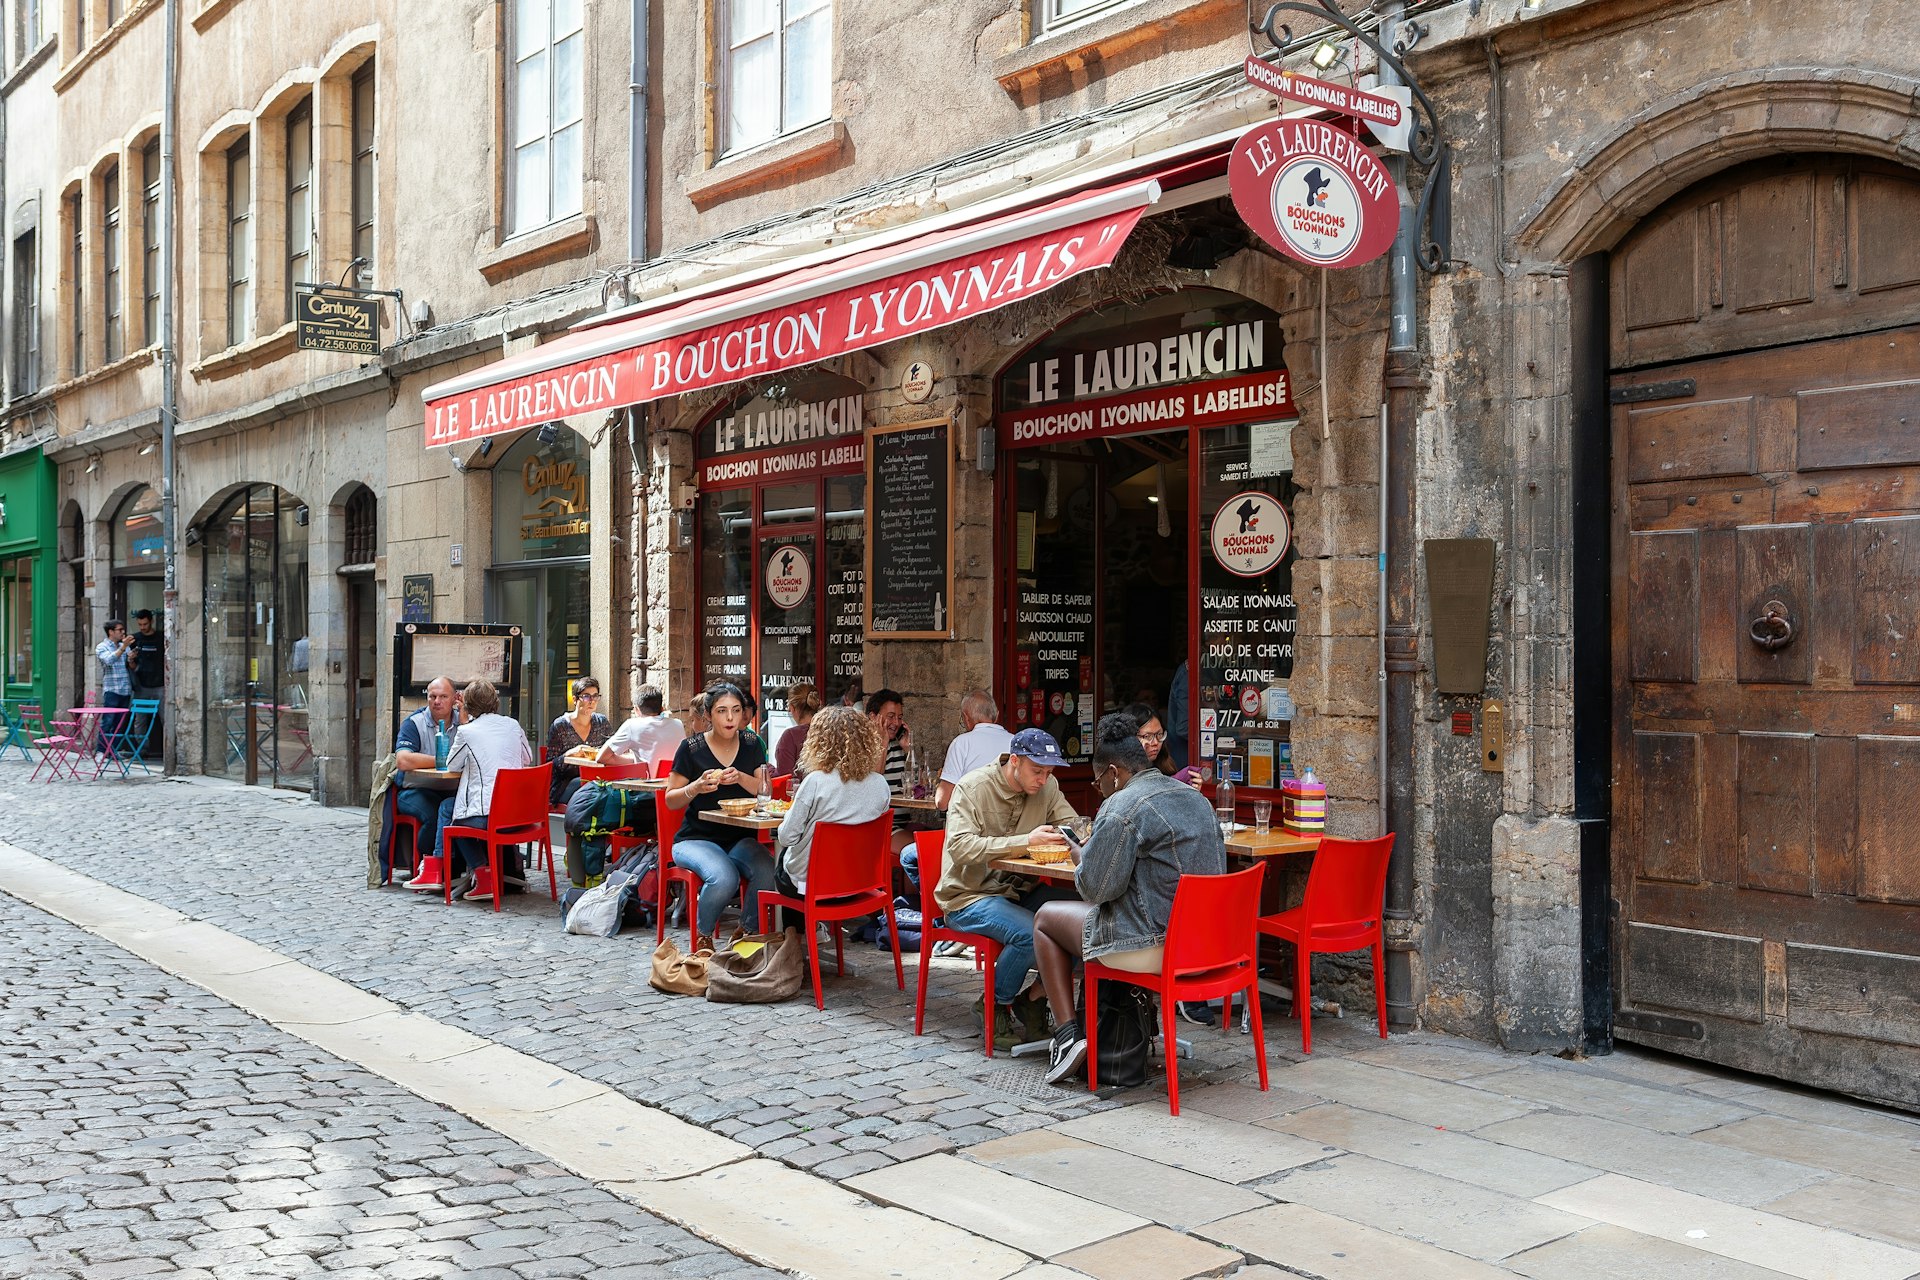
(1150, 831)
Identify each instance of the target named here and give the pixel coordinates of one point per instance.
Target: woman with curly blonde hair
(840, 786)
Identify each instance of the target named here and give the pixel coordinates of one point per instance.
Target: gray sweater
(826, 797)
(1145, 837)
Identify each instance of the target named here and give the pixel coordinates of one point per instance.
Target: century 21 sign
(324, 321)
(1315, 192)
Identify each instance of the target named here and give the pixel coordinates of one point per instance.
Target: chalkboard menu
(909, 531)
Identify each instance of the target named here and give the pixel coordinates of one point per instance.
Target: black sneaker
(1068, 1052)
(1198, 1012)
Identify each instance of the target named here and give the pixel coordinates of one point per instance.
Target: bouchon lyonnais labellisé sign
(1315, 192)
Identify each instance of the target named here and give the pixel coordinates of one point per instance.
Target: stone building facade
(1669, 830)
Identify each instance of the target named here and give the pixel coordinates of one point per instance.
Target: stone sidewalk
(1418, 1155)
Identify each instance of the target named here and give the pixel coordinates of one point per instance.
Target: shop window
(26, 314)
(363, 165)
(1051, 15)
(363, 532)
(779, 68)
(546, 112)
(540, 496)
(300, 236)
(257, 650)
(782, 551)
(16, 618)
(110, 252)
(239, 240)
(150, 244)
(137, 542)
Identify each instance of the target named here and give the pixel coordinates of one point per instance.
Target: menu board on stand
(910, 531)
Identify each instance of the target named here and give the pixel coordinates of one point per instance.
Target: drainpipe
(637, 122)
(169, 384)
(1404, 382)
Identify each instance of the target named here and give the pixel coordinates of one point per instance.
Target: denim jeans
(466, 853)
(417, 802)
(721, 873)
(1011, 925)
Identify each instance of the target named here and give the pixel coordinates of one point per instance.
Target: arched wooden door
(1766, 625)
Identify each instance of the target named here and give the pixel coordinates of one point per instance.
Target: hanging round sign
(1251, 533)
(1315, 192)
(789, 576)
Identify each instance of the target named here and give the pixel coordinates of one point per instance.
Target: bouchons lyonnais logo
(1314, 192)
(789, 576)
(1251, 533)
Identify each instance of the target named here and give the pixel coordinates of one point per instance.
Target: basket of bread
(738, 806)
(1051, 848)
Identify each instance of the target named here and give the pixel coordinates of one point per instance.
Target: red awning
(861, 299)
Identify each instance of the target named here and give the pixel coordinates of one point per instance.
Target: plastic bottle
(1223, 802)
(440, 744)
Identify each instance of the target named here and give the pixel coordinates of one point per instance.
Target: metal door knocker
(1773, 629)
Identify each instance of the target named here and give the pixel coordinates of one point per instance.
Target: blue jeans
(416, 802)
(1009, 924)
(466, 854)
(721, 872)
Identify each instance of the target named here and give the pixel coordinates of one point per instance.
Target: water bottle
(1223, 803)
(439, 744)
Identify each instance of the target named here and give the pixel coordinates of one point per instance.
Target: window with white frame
(779, 72)
(76, 286)
(1054, 14)
(150, 244)
(239, 240)
(363, 165)
(26, 314)
(112, 261)
(27, 19)
(546, 98)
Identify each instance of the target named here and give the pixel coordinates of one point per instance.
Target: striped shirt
(113, 668)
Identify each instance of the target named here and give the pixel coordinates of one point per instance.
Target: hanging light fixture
(1325, 54)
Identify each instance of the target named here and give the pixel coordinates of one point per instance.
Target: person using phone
(1149, 832)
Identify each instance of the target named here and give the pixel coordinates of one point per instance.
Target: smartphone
(1074, 841)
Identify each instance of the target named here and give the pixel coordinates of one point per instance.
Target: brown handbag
(772, 972)
(678, 974)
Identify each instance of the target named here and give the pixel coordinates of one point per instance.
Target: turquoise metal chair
(129, 748)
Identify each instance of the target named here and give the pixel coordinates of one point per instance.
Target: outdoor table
(914, 804)
(1275, 843)
(1059, 872)
(88, 738)
(439, 775)
(751, 822)
(636, 784)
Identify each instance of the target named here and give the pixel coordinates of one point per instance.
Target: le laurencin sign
(1315, 192)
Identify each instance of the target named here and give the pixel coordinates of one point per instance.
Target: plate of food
(778, 807)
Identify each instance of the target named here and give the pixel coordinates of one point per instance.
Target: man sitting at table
(649, 737)
(1150, 831)
(982, 741)
(417, 797)
(995, 810)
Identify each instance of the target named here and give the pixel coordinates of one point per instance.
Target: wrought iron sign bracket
(1426, 144)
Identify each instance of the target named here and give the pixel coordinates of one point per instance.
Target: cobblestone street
(152, 1126)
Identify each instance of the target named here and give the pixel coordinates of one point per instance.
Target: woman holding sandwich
(721, 764)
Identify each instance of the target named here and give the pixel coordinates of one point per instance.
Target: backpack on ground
(1126, 1030)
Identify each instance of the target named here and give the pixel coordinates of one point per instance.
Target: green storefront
(28, 594)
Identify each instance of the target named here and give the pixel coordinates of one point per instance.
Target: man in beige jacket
(995, 810)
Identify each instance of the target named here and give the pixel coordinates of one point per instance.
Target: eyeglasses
(1153, 739)
(586, 697)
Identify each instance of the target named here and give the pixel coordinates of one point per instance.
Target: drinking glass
(1262, 816)
(766, 795)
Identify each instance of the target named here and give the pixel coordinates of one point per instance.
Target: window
(1054, 14)
(545, 112)
(26, 315)
(16, 627)
(779, 74)
(27, 24)
(114, 9)
(363, 154)
(80, 23)
(299, 198)
(77, 286)
(150, 244)
(239, 244)
(111, 262)
(363, 511)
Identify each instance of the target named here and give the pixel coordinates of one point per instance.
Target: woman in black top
(722, 763)
(584, 726)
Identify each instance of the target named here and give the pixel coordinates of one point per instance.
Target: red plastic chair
(397, 822)
(1346, 893)
(781, 787)
(1212, 951)
(662, 768)
(667, 822)
(849, 875)
(518, 816)
(933, 851)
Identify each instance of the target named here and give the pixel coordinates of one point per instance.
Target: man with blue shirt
(419, 797)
